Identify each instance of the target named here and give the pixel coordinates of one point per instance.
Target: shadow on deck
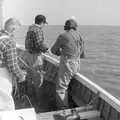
(42, 101)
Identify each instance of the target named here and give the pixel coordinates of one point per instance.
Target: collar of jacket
(37, 25)
(7, 33)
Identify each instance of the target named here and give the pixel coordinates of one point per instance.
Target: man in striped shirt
(9, 68)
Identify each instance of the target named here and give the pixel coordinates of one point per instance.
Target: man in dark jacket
(68, 46)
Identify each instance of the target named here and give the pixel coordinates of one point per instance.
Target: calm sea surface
(102, 49)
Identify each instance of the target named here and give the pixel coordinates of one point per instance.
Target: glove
(23, 78)
(39, 62)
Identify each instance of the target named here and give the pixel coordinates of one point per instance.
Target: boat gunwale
(105, 95)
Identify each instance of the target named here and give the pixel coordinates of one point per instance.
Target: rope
(25, 63)
(33, 70)
(93, 100)
(25, 96)
(16, 89)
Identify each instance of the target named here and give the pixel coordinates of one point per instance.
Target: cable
(40, 73)
(25, 96)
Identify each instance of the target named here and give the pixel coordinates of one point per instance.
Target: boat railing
(114, 102)
(103, 94)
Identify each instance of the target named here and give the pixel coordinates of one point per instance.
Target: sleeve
(56, 48)
(40, 42)
(12, 61)
(27, 41)
(82, 49)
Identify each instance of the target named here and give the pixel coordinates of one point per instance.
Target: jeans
(67, 69)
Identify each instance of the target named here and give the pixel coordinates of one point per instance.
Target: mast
(1, 13)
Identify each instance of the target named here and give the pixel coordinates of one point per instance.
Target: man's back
(72, 44)
(68, 43)
(32, 35)
(34, 39)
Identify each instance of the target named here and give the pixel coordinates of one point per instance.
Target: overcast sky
(88, 12)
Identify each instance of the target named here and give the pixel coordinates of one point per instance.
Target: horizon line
(78, 25)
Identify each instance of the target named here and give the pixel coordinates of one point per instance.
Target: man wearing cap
(67, 45)
(9, 68)
(35, 41)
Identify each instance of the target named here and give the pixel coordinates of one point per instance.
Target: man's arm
(40, 41)
(56, 47)
(12, 62)
(82, 55)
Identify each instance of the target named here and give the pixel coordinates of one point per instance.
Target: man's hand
(23, 78)
(38, 62)
(48, 51)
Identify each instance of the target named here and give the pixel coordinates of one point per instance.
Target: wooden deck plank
(62, 115)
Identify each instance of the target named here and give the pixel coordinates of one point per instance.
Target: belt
(71, 57)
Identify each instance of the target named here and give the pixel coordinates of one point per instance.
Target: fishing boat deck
(67, 115)
(44, 103)
(82, 92)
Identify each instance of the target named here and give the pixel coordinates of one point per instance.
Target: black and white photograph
(59, 59)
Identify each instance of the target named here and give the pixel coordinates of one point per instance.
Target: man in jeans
(67, 45)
